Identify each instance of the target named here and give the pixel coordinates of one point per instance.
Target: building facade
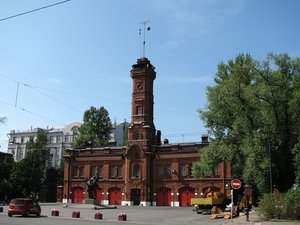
(145, 171)
(58, 139)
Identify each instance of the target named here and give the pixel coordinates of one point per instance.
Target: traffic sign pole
(236, 184)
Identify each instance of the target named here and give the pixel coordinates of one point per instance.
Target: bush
(268, 208)
(281, 206)
(291, 204)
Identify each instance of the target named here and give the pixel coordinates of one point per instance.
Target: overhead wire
(87, 96)
(84, 96)
(33, 113)
(38, 89)
(34, 10)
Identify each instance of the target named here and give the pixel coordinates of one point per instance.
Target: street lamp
(270, 169)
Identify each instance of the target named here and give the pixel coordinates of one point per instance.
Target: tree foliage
(95, 130)
(29, 174)
(53, 178)
(253, 115)
(6, 186)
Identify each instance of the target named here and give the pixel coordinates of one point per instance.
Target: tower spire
(144, 35)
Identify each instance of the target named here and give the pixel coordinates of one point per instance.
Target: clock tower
(142, 130)
(141, 136)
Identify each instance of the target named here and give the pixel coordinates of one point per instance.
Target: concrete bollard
(122, 217)
(98, 216)
(76, 214)
(54, 212)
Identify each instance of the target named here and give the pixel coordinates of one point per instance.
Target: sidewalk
(255, 220)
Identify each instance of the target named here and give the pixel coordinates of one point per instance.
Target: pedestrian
(246, 205)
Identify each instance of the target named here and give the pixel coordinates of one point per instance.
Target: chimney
(158, 137)
(204, 139)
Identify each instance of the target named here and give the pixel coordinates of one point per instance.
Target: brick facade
(146, 171)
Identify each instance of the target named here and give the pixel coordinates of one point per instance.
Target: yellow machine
(214, 198)
(210, 198)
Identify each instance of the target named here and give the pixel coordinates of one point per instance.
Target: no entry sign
(236, 184)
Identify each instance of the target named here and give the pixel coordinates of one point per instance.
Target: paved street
(135, 215)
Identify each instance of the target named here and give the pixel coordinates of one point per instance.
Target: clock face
(139, 85)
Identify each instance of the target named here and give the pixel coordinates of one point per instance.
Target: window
(216, 171)
(136, 170)
(182, 170)
(138, 110)
(71, 138)
(119, 171)
(160, 171)
(58, 139)
(21, 153)
(81, 171)
(100, 171)
(111, 171)
(136, 136)
(168, 170)
(136, 156)
(52, 139)
(190, 165)
(22, 139)
(75, 171)
(75, 132)
(67, 138)
(93, 171)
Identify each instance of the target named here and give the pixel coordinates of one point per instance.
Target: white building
(58, 139)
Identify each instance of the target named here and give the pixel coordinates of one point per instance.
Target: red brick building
(146, 171)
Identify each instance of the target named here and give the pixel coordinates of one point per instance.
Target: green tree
(253, 117)
(29, 174)
(6, 185)
(95, 130)
(52, 180)
(296, 157)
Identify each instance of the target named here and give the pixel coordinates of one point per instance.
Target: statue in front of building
(92, 187)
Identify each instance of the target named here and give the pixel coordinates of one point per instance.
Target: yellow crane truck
(205, 204)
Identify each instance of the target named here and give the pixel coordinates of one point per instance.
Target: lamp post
(270, 169)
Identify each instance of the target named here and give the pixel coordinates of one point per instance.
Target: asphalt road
(135, 215)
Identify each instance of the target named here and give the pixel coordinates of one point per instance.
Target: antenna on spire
(144, 39)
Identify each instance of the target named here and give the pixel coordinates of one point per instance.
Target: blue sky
(79, 54)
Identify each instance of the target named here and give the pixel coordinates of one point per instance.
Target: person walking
(246, 205)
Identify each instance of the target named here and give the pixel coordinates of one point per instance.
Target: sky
(57, 62)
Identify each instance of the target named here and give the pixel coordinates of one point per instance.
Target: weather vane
(140, 32)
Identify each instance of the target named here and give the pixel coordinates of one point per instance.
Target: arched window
(136, 155)
(136, 136)
(136, 170)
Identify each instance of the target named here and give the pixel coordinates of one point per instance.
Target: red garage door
(163, 197)
(185, 195)
(78, 195)
(99, 195)
(115, 196)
